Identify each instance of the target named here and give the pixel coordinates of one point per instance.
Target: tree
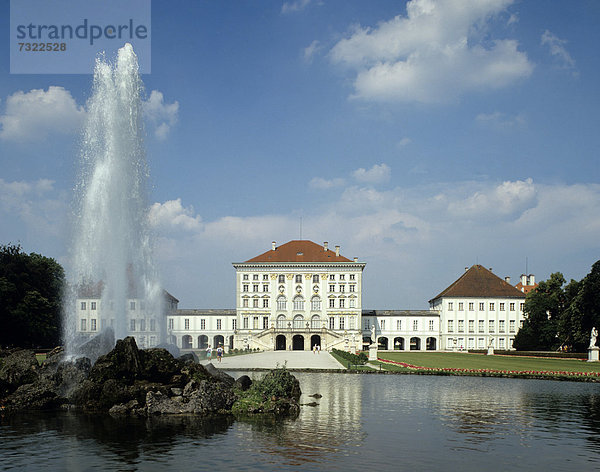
(543, 307)
(30, 298)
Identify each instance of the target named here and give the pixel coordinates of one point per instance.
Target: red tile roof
(480, 282)
(299, 251)
(525, 288)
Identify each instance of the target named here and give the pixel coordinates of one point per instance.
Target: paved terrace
(293, 360)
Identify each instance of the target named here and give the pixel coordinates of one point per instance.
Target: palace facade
(301, 294)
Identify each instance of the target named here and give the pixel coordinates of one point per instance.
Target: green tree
(544, 308)
(30, 298)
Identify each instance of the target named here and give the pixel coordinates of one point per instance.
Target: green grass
(455, 360)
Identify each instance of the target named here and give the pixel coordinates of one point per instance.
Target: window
(450, 306)
(492, 306)
(332, 277)
(342, 288)
(331, 322)
(332, 303)
(501, 325)
(245, 277)
(255, 287)
(245, 322)
(186, 323)
(471, 326)
(255, 322)
(280, 322)
(281, 303)
(92, 324)
(298, 278)
(382, 324)
(132, 325)
(521, 306)
(481, 343)
(219, 324)
(152, 324)
(315, 279)
(461, 326)
(83, 308)
(171, 323)
(352, 277)
(255, 277)
(501, 306)
(501, 343)
(315, 304)
(203, 324)
(342, 277)
(481, 326)
(481, 306)
(450, 326)
(265, 322)
(471, 308)
(83, 325)
(512, 307)
(520, 324)
(491, 326)
(352, 322)
(342, 322)
(352, 287)
(299, 303)
(511, 326)
(415, 325)
(282, 279)
(265, 276)
(265, 287)
(332, 287)
(342, 303)
(367, 324)
(460, 306)
(431, 325)
(398, 325)
(234, 324)
(245, 288)
(298, 322)
(265, 303)
(132, 306)
(142, 325)
(352, 303)
(93, 307)
(245, 303)
(255, 303)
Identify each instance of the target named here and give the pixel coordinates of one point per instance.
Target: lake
(362, 422)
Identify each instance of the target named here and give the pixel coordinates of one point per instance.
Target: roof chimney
(490, 269)
(326, 245)
(531, 279)
(507, 279)
(466, 269)
(273, 245)
(523, 280)
(337, 251)
(356, 259)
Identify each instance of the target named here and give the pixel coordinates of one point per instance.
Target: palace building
(301, 294)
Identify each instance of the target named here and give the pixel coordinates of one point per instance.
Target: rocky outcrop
(129, 381)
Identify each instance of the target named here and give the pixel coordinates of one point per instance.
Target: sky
(422, 137)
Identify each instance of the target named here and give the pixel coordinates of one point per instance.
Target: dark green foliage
(277, 392)
(30, 298)
(560, 315)
(359, 359)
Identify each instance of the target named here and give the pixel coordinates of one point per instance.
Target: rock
(219, 374)
(123, 363)
(158, 365)
(316, 395)
(18, 367)
(189, 357)
(124, 408)
(243, 383)
(310, 404)
(35, 396)
(172, 348)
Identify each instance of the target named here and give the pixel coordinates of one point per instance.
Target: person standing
(208, 352)
(219, 353)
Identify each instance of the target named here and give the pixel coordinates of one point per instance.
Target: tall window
(234, 324)
(298, 322)
(83, 308)
(332, 303)
(93, 307)
(460, 306)
(512, 307)
(171, 323)
(331, 322)
(255, 322)
(142, 325)
(245, 303)
(342, 277)
(202, 324)
(342, 322)
(255, 277)
(83, 324)
(315, 304)
(398, 325)
(332, 287)
(315, 322)
(471, 306)
(352, 303)
(481, 306)
(342, 288)
(255, 303)
(352, 323)
(245, 277)
(461, 326)
(450, 306)
(245, 287)
(265, 322)
(255, 287)
(415, 325)
(281, 278)
(281, 322)
(431, 325)
(265, 303)
(511, 326)
(471, 326)
(491, 326)
(450, 326)
(342, 303)
(265, 276)
(501, 326)
(132, 306)
(92, 324)
(186, 324)
(219, 324)
(132, 325)
(299, 303)
(281, 303)
(332, 277)
(265, 287)
(352, 277)
(501, 306)
(315, 279)
(298, 278)
(152, 324)
(245, 322)
(492, 306)
(382, 324)
(352, 287)
(481, 327)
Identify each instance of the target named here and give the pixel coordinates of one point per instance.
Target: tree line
(561, 315)
(30, 299)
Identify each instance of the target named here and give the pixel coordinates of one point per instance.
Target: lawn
(466, 361)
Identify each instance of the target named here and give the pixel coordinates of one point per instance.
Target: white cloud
(311, 50)
(404, 142)
(557, 49)
(499, 120)
(294, 6)
(34, 115)
(324, 184)
(431, 55)
(172, 216)
(379, 173)
(161, 115)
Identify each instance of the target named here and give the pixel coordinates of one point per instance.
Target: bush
(352, 358)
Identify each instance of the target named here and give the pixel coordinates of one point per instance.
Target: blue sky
(421, 137)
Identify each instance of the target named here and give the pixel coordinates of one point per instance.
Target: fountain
(111, 258)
